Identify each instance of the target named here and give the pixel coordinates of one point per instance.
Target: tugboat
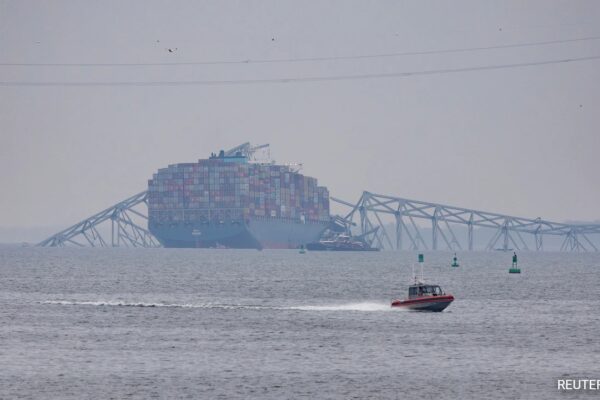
(424, 297)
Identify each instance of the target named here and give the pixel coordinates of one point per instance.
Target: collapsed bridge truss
(509, 231)
(121, 221)
(124, 225)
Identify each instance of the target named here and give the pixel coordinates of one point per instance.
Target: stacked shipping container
(231, 189)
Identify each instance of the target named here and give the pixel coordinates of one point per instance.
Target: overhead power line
(306, 59)
(301, 79)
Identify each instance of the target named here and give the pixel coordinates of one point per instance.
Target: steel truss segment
(118, 216)
(584, 236)
(385, 205)
(511, 229)
(513, 241)
(443, 235)
(418, 234)
(139, 214)
(380, 201)
(492, 220)
(383, 230)
(448, 214)
(453, 236)
(73, 242)
(335, 199)
(413, 242)
(487, 216)
(354, 207)
(492, 243)
(420, 211)
(369, 227)
(401, 227)
(525, 247)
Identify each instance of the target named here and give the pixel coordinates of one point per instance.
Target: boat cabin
(422, 290)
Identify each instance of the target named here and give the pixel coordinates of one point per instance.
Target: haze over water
(518, 141)
(125, 323)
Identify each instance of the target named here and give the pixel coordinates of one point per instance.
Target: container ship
(232, 201)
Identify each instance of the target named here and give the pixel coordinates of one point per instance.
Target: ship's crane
(247, 150)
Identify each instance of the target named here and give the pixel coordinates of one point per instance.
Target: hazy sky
(522, 141)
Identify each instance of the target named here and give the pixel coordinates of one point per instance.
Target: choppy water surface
(102, 323)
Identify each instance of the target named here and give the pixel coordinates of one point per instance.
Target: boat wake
(140, 304)
(340, 307)
(347, 307)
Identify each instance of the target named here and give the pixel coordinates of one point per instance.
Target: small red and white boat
(424, 297)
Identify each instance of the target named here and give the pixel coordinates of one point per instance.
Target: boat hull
(317, 246)
(429, 303)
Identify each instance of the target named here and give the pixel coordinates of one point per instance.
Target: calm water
(125, 323)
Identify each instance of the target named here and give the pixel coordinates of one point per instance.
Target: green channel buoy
(455, 261)
(515, 268)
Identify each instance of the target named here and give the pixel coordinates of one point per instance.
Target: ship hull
(255, 233)
(430, 303)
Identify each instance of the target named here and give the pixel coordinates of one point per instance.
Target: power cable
(301, 79)
(304, 59)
